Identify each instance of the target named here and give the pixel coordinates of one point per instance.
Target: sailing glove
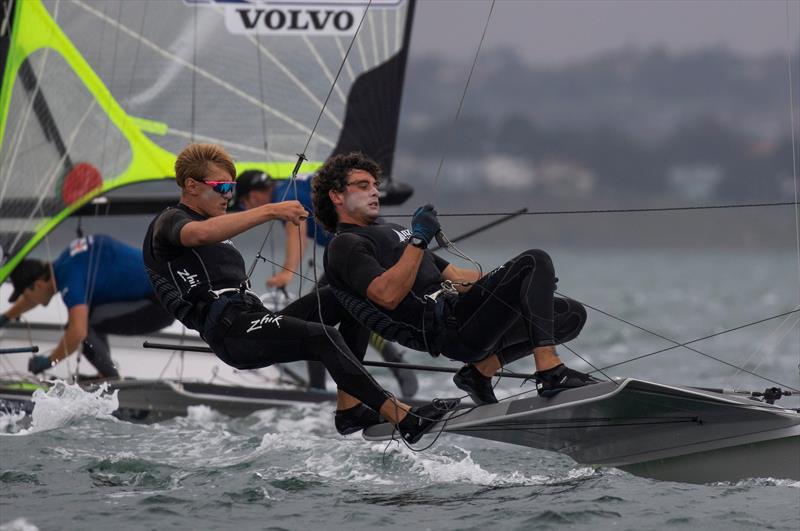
(425, 224)
(39, 364)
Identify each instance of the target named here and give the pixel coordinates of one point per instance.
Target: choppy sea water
(73, 466)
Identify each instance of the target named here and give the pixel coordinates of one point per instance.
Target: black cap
(26, 273)
(252, 180)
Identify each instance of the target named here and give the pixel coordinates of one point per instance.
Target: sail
(99, 94)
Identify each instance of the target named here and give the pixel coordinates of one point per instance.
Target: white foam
(203, 415)
(11, 423)
(20, 524)
(347, 467)
(762, 482)
(64, 403)
(463, 469)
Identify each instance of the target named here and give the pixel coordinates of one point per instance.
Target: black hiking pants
(246, 335)
(128, 318)
(510, 311)
(309, 307)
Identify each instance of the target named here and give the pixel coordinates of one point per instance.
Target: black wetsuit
(509, 311)
(198, 286)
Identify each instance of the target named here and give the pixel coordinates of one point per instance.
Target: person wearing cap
(255, 188)
(199, 276)
(106, 290)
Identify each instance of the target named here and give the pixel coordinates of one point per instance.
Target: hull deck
(648, 429)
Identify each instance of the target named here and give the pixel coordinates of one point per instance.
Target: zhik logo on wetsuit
(189, 278)
(404, 234)
(267, 319)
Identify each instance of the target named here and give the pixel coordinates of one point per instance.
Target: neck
(188, 200)
(344, 217)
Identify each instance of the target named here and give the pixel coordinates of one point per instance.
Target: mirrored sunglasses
(221, 187)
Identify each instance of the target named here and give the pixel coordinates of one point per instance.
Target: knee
(580, 311)
(539, 255)
(573, 322)
(541, 260)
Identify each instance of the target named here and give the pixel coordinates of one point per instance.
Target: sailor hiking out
(384, 274)
(255, 188)
(200, 278)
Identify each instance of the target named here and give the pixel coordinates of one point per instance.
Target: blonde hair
(195, 159)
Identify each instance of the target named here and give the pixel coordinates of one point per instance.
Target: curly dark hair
(333, 176)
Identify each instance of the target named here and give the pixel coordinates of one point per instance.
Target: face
(202, 195)
(359, 203)
(256, 198)
(39, 292)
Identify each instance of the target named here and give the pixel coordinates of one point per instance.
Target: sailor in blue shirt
(255, 188)
(106, 290)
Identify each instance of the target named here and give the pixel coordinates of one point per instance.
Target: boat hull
(648, 429)
(149, 401)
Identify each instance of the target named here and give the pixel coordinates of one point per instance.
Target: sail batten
(101, 94)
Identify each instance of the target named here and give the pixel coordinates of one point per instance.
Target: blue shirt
(98, 269)
(300, 190)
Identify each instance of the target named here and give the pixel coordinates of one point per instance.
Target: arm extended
(220, 228)
(76, 332)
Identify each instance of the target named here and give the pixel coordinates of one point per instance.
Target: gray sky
(550, 31)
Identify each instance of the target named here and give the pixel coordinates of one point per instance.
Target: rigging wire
(795, 203)
(685, 345)
(301, 157)
(192, 125)
(794, 156)
(464, 93)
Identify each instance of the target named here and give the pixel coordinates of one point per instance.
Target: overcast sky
(557, 31)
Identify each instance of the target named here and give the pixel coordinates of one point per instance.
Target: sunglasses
(221, 187)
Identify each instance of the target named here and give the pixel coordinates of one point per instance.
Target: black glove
(425, 224)
(39, 364)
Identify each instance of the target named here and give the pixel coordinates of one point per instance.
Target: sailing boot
(560, 378)
(355, 419)
(421, 419)
(476, 385)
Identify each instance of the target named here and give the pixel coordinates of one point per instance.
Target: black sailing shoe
(355, 419)
(478, 386)
(560, 378)
(421, 419)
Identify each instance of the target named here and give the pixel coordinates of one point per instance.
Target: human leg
(120, 318)
(321, 306)
(392, 353)
(96, 351)
(512, 312)
(256, 338)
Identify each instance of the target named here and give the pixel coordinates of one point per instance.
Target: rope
(795, 203)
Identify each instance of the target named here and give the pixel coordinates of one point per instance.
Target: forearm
(221, 228)
(390, 288)
(460, 276)
(20, 306)
(295, 245)
(69, 342)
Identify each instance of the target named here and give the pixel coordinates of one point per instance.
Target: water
(73, 466)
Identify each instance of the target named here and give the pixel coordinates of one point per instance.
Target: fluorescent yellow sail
(100, 94)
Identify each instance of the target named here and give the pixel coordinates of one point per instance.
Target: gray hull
(156, 400)
(648, 429)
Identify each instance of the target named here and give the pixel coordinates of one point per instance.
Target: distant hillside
(642, 92)
(696, 127)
